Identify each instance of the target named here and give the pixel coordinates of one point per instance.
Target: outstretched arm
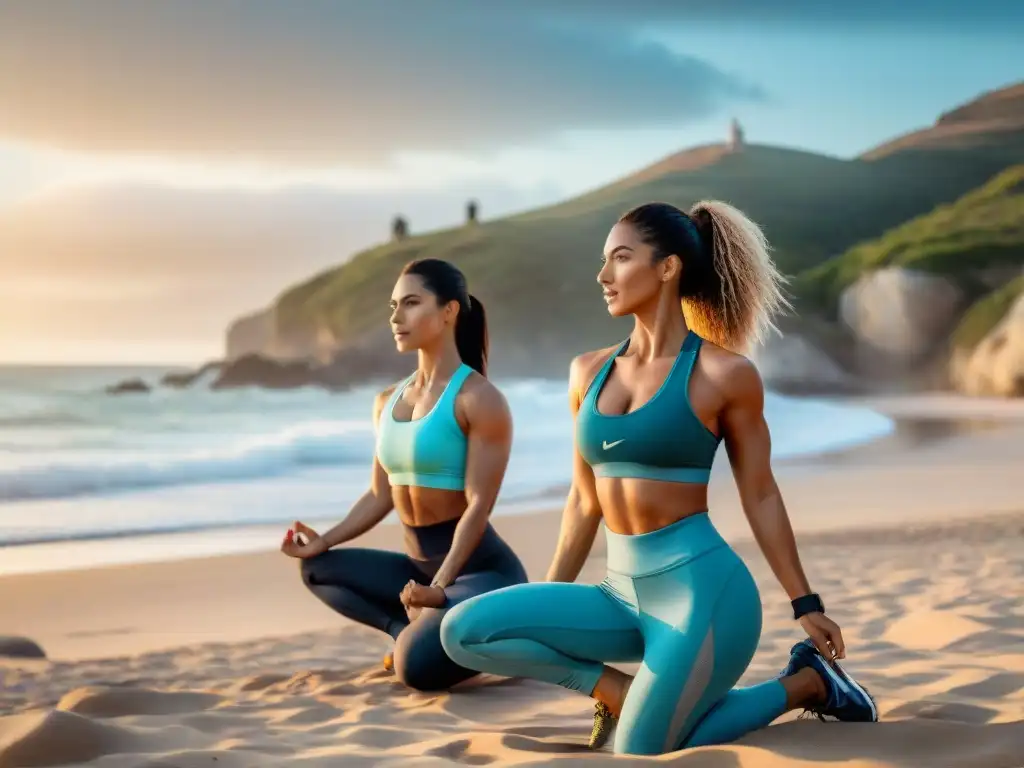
(748, 444)
(369, 510)
(582, 514)
(489, 443)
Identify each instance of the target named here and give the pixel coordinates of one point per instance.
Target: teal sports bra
(428, 452)
(661, 440)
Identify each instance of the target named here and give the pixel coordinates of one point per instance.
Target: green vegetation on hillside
(350, 297)
(986, 313)
(981, 230)
(536, 272)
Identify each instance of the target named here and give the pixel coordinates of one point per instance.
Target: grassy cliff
(829, 220)
(982, 230)
(535, 272)
(986, 313)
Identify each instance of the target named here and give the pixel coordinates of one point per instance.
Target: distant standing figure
(399, 228)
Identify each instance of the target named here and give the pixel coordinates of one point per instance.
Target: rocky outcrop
(251, 334)
(14, 647)
(182, 379)
(346, 369)
(792, 364)
(995, 367)
(903, 314)
(258, 334)
(128, 386)
(991, 118)
(257, 371)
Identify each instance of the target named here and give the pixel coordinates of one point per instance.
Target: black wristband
(805, 604)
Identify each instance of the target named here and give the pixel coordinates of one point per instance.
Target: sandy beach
(915, 541)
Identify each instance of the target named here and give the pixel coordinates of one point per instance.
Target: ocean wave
(44, 418)
(310, 444)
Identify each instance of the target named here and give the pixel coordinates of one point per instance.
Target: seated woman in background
(443, 440)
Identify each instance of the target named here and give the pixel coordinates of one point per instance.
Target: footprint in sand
(261, 682)
(926, 630)
(121, 701)
(312, 715)
(57, 737)
(950, 711)
(998, 686)
(459, 751)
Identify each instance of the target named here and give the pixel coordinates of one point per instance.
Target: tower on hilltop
(735, 142)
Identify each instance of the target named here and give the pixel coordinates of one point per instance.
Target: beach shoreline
(914, 540)
(913, 425)
(85, 468)
(938, 450)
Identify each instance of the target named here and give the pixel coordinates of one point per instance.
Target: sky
(165, 167)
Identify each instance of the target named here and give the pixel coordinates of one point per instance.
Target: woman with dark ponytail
(443, 440)
(650, 414)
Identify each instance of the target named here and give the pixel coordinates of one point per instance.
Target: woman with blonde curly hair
(650, 414)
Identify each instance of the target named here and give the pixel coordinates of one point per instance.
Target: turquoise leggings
(679, 600)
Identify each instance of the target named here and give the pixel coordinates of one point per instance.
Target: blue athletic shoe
(847, 699)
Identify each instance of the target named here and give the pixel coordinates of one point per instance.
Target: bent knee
(307, 569)
(464, 625)
(420, 674)
(460, 622)
(421, 663)
(310, 570)
(453, 629)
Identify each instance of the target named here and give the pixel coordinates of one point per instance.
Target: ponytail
(471, 334)
(734, 303)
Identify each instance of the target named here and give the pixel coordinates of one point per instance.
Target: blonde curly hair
(730, 288)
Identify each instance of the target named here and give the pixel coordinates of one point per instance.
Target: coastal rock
(315, 342)
(791, 363)
(250, 334)
(254, 370)
(14, 647)
(258, 334)
(346, 369)
(903, 313)
(128, 386)
(180, 380)
(995, 367)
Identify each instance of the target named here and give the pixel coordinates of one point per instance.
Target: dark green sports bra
(661, 440)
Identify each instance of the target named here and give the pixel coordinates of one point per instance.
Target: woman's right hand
(315, 544)
(825, 633)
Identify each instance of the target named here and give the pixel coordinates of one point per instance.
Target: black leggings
(364, 586)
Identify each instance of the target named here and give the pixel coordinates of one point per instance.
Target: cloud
(126, 263)
(317, 82)
(919, 15)
(353, 83)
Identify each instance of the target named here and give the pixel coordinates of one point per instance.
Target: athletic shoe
(846, 699)
(604, 726)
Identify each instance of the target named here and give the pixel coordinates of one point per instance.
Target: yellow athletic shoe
(604, 726)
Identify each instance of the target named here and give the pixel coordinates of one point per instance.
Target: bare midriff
(632, 505)
(418, 507)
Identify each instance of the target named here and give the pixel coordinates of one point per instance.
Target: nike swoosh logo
(608, 445)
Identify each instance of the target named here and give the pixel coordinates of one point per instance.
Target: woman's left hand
(418, 596)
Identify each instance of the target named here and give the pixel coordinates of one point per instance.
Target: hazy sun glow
(142, 208)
